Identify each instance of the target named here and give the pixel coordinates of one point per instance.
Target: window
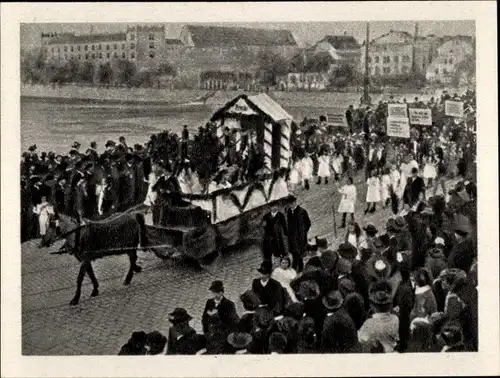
(87, 56)
(450, 60)
(387, 59)
(123, 55)
(369, 60)
(93, 47)
(86, 48)
(71, 48)
(115, 46)
(377, 70)
(132, 37)
(437, 71)
(65, 48)
(123, 46)
(406, 59)
(396, 59)
(107, 47)
(132, 46)
(79, 57)
(132, 55)
(446, 61)
(65, 56)
(116, 55)
(79, 48)
(151, 37)
(387, 70)
(445, 71)
(152, 54)
(405, 69)
(93, 55)
(100, 55)
(377, 59)
(107, 55)
(152, 45)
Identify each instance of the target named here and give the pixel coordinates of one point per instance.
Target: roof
(261, 103)
(342, 42)
(393, 37)
(173, 41)
(219, 36)
(90, 38)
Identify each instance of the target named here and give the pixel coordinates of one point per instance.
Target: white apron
(306, 168)
(151, 195)
(373, 192)
(295, 177)
(384, 187)
(44, 211)
(324, 166)
(348, 200)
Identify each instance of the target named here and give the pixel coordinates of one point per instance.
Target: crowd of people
(409, 288)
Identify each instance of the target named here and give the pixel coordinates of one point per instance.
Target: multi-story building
(143, 45)
(344, 49)
(450, 53)
(397, 53)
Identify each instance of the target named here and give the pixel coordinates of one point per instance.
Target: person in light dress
(285, 274)
(306, 170)
(348, 200)
(372, 193)
(324, 167)
(385, 187)
(337, 162)
(101, 191)
(430, 169)
(295, 175)
(45, 211)
(152, 179)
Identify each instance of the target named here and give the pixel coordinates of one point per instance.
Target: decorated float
(199, 225)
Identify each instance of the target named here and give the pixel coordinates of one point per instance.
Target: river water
(54, 126)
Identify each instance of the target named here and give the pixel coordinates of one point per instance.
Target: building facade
(398, 53)
(344, 49)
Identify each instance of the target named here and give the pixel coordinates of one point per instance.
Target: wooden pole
(334, 220)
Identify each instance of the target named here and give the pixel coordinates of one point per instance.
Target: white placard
(420, 117)
(241, 107)
(337, 118)
(397, 110)
(398, 127)
(454, 108)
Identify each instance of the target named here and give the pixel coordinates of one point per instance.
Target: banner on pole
(454, 108)
(398, 127)
(397, 110)
(420, 117)
(336, 118)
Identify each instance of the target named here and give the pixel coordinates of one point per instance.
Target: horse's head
(61, 228)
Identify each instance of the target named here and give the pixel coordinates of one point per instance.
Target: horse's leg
(91, 274)
(79, 281)
(133, 267)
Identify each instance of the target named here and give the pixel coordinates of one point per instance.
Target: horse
(122, 234)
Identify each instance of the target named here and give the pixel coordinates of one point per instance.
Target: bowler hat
(370, 229)
(400, 222)
(436, 253)
(32, 147)
(462, 226)
(328, 260)
(378, 267)
(264, 317)
(179, 315)
(380, 298)
(451, 334)
(250, 300)
(439, 241)
(295, 310)
(110, 143)
(347, 251)
(346, 286)
(239, 340)
(322, 242)
(333, 300)
(277, 342)
(217, 287)
(343, 266)
(266, 267)
(381, 243)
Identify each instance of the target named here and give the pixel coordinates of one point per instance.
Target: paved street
(101, 325)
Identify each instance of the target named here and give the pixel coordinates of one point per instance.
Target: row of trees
(37, 70)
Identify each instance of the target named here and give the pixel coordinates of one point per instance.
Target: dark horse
(122, 234)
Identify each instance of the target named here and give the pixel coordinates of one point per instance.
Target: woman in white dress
(337, 162)
(385, 185)
(295, 178)
(195, 184)
(373, 193)
(152, 180)
(44, 210)
(285, 274)
(101, 193)
(430, 169)
(323, 167)
(348, 200)
(306, 170)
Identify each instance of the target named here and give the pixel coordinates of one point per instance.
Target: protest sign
(398, 127)
(397, 110)
(420, 117)
(454, 108)
(337, 118)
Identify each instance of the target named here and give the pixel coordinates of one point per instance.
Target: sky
(304, 32)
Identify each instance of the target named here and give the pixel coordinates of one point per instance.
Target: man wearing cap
(415, 186)
(219, 307)
(339, 333)
(268, 290)
(463, 252)
(182, 338)
(128, 183)
(298, 226)
(275, 241)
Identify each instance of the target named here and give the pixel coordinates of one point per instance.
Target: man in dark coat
(339, 333)
(80, 198)
(404, 300)
(128, 183)
(275, 235)
(58, 196)
(182, 338)
(414, 187)
(219, 307)
(298, 226)
(463, 252)
(269, 291)
(348, 251)
(349, 118)
(135, 346)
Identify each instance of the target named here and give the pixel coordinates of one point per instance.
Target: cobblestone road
(100, 325)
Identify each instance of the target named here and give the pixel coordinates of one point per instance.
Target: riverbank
(74, 94)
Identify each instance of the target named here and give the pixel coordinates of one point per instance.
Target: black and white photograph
(248, 187)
